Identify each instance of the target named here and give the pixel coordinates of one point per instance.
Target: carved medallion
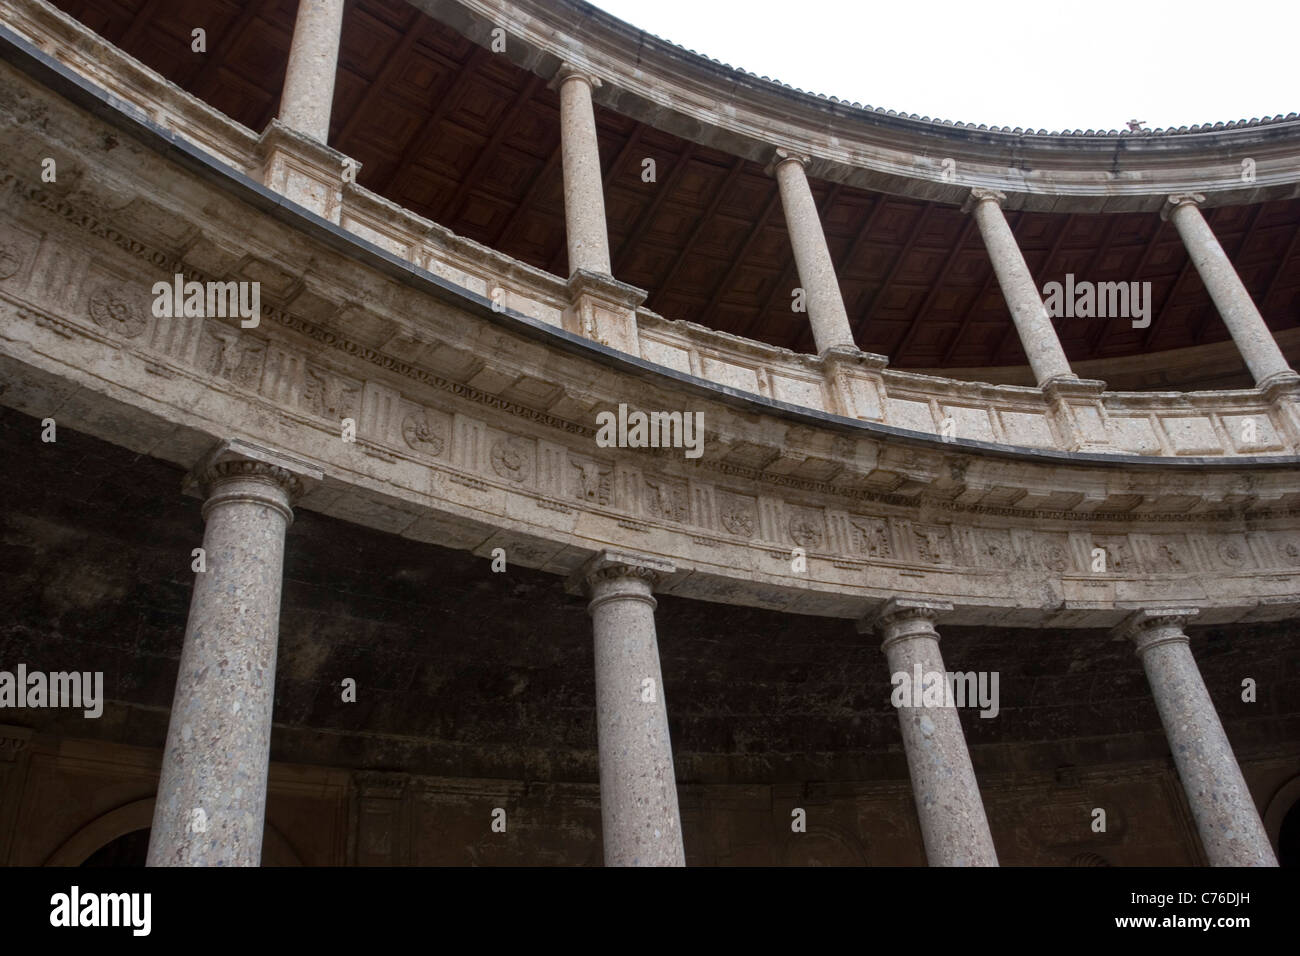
(422, 436)
(805, 530)
(1231, 554)
(110, 309)
(737, 515)
(509, 458)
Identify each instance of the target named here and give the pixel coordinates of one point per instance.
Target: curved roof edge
(700, 99)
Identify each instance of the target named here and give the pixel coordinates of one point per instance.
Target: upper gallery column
(1237, 309)
(953, 825)
(584, 190)
(812, 258)
(640, 822)
(313, 62)
(212, 793)
(1034, 325)
(1225, 813)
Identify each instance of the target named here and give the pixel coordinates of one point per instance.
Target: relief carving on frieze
(117, 310)
(11, 259)
(329, 396)
(737, 514)
(231, 356)
(422, 435)
(590, 481)
(806, 528)
(511, 458)
(667, 499)
(871, 537)
(933, 543)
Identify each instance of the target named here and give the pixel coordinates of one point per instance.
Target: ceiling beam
(644, 221)
(448, 100)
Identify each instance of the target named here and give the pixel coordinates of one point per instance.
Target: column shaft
(953, 824)
(313, 63)
(584, 189)
(212, 792)
(1246, 326)
(1225, 813)
(812, 257)
(638, 788)
(1037, 335)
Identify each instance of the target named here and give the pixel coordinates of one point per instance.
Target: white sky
(1045, 64)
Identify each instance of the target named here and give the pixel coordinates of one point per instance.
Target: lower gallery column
(1225, 813)
(953, 824)
(638, 789)
(1037, 334)
(212, 793)
(1246, 326)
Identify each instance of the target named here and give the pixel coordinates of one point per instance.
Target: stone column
(212, 792)
(313, 62)
(1034, 325)
(584, 188)
(812, 258)
(638, 789)
(1225, 813)
(953, 824)
(1236, 308)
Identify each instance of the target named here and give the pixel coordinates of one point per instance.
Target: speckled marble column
(212, 791)
(313, 63)
(1225, 813)
(953, 825)
(1033, 323)
(584, 189)
(1246, 326)
(640, 822)
(825, 304)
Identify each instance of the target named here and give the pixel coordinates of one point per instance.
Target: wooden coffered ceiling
(469, 140)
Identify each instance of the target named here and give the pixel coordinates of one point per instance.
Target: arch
(138, 815)
(1283, 802)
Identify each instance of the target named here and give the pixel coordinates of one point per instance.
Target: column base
(604, 310)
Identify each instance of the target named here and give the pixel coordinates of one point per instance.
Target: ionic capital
(571, 71)
(980, 194)
(619, 566)
(1152, 627)
(236, 458)
(903, 618)
(1175, 200)
(782, 155)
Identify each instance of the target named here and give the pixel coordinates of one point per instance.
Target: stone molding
(472, 431)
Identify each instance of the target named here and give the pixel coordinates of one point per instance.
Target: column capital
(785, 154)
(237, 458)
(1174, 200)
(569, 71)
(1151, 627)
(616, 566)
(897, 611)
(980, 194)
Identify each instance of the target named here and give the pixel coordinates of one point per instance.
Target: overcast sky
(1045, 64)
